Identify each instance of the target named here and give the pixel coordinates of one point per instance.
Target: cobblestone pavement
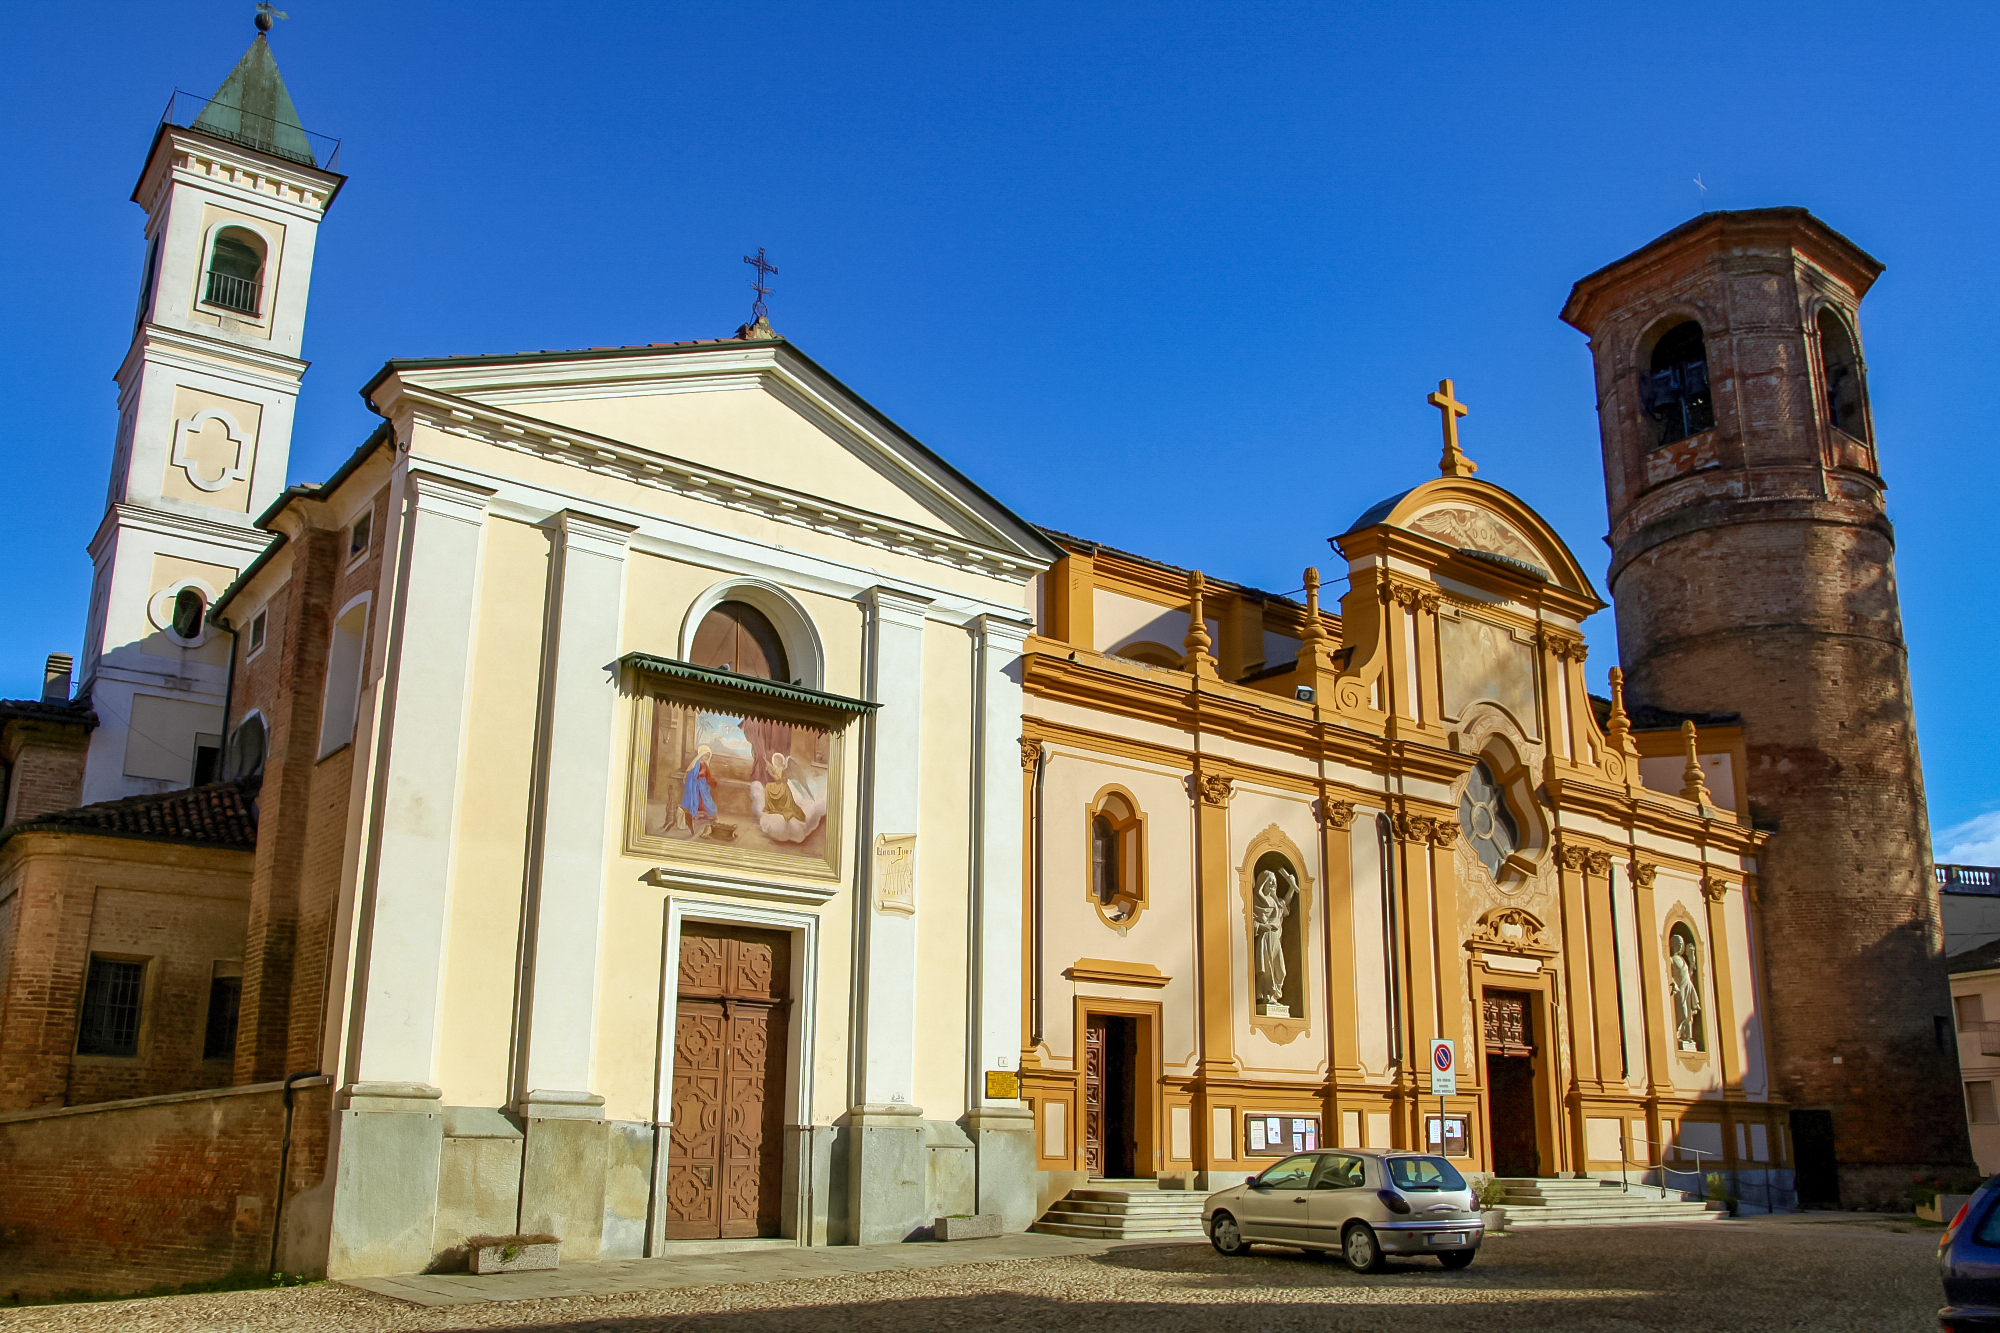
(1832, 1274)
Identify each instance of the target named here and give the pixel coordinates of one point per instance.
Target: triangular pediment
(763, 412)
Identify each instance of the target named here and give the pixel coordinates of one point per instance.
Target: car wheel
(1362, 1251)
(1224, 1235)
(1456, 1259)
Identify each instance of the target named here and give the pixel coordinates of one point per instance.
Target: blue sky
(1173, 277)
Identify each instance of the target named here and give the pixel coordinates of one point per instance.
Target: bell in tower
(1752, 570)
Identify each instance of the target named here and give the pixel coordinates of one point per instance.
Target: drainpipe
(284, 1165)
(228, 695)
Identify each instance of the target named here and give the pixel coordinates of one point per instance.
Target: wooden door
(726, 1148)
(1093, 1095)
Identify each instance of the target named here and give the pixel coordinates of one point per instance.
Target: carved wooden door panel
(1093, 1096)
(726, 1148)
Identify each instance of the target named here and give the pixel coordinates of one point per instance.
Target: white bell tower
(234, 190)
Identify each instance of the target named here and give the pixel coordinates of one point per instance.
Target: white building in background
(205, 403)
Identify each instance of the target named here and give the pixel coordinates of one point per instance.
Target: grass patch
(243, 1279)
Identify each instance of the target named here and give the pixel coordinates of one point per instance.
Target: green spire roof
(252, 108)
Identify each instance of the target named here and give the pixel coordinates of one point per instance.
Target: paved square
(1825, 1272)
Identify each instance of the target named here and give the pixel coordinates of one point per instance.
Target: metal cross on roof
(765, 268)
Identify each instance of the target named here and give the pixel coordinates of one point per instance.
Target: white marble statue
(1270, 905)
(1686, 992)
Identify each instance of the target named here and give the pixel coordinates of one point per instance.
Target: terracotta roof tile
(221, 814)
(41, 710)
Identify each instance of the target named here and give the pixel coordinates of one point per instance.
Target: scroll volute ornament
(1215, 788)
(1335, 815)
(1642, 874)
(1598, 864)
(1030, 752)
(1713, 887)
(1443, 832)
(1572, 858)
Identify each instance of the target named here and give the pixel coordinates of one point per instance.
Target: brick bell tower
(1752, 571)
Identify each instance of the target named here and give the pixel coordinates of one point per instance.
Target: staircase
(1532, 1202)
(1125, 1210)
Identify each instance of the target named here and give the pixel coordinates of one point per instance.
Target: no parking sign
(1444, 1069)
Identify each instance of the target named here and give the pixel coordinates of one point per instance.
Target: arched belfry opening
(736, 636)
(1673, 387)
(1840, 376)
(236, 271)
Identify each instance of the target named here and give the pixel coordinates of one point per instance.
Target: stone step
(1091, 1231)
(1139, 1198)
(1625, 1219)
(1123, 1209)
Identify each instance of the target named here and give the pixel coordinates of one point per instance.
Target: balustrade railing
(233, 293)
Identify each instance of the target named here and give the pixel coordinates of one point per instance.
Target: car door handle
(1298, 1198)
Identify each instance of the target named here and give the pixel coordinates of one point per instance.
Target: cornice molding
(195, 159)
(613, 458)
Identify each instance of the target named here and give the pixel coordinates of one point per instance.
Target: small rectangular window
(259, 625)
(207, 759)
(225, 996)
(1980, 1106)
(111, 996)
(357, 536)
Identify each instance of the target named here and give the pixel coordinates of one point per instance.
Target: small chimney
(55, 678)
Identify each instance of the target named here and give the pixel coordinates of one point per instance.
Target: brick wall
(44, 768)
(169, 1190)
(1753, 573)
(64, 896)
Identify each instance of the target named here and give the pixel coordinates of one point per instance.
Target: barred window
(111, 993)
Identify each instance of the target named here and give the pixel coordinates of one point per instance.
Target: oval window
(189, 608)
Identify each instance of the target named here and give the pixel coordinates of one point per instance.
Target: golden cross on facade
(1454, 463)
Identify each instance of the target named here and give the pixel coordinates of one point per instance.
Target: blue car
(1969, 1263)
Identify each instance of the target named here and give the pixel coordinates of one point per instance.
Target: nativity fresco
(738, 787)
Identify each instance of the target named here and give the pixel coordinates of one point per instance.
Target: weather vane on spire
(759, 312)
(266, 12)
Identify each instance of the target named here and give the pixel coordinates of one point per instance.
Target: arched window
(189, 609)
(236, 271)
(1840, 376)
(736, 636)
(1684, 985)
(1117, 858)
(1489, 825)
(1673, 389)
(345, 657)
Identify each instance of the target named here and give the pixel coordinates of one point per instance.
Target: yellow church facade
(1274, 853)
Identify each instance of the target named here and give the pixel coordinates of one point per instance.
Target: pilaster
(886, 1182)
(1728, 1027)
(1652, 993)
(574, 777)
(1002, 1129)
(1606, 973)
(418, 767)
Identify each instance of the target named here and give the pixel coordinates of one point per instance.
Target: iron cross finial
(765, 268)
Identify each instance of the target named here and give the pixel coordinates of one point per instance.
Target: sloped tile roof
(221, 814)
(41, 710)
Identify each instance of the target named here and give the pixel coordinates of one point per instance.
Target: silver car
(1367, 1205)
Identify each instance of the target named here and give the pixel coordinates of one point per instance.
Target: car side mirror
(1255, 1182)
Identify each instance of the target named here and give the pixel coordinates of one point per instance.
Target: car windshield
(1424, 1173)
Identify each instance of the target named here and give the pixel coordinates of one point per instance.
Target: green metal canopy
(252, 108)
